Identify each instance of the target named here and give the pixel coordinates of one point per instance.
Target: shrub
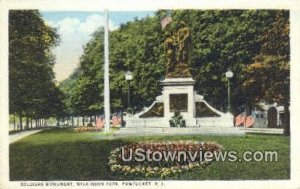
(177, 120)
(87, 129)
(90, 124)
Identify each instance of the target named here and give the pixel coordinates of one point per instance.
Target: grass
(61, 154)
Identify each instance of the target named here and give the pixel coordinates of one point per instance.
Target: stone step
(179, 131)
(263, 130)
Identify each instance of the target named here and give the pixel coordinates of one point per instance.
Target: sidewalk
(20, 135)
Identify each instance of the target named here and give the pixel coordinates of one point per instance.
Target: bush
(129, 110)
(87, 129)
(90, 124)
(177, 120)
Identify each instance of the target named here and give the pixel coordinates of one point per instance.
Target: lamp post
(128, 77)
(229, 75)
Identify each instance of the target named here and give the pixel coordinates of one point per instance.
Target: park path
(20, 135)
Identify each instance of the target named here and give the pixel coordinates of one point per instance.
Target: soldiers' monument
(178, 95)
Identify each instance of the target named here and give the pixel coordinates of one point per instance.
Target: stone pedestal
(178, 94)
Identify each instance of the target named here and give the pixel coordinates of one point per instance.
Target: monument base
(149, 131)
(178, 95)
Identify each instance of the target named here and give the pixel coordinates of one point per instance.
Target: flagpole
(106, 74)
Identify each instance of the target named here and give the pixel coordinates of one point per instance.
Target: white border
(4, 138)
(115, 5)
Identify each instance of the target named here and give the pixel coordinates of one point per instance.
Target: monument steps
(144, 131)
(274, 131)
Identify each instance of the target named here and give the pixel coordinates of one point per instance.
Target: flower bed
(161, 167)
(87, 129)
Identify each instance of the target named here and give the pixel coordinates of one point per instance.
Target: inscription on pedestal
(179, 102)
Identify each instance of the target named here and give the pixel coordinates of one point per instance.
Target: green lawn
(61, 154)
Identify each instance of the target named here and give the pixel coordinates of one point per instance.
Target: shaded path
(20, 135)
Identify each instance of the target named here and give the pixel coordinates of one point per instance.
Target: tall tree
(136, 47)
(223, 40)
(84, 89)
(31, 78)
(268, 76)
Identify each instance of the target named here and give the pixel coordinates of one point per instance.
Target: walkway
(20, 135)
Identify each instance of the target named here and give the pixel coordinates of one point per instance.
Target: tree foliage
(269, 72)
(268, 76)
(83, 89)
(32, 92)
(221, 40)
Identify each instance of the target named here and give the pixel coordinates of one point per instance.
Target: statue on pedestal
(170, 52)
(177, 47)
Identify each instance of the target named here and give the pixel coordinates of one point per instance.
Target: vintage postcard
(135, 94)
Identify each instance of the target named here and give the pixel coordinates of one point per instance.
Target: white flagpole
(106, 74)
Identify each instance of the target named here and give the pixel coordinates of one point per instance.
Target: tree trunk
(95, 119)
(27, 122)
(72, 121)
(286, 119)
(248, 108)
(31, 122)
(14, 121)
(83, 121)
(21, 122)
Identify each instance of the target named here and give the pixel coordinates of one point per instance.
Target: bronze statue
(184, 43)
(170, 52)
(177, 47)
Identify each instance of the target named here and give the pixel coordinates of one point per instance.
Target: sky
(75, 29)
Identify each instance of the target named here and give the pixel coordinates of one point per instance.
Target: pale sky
(75, 29)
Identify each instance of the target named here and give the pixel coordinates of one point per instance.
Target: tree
(221, 40)
(268, 76)
(31, 78)
(67, 88)
(84, 88)
(137, 47)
